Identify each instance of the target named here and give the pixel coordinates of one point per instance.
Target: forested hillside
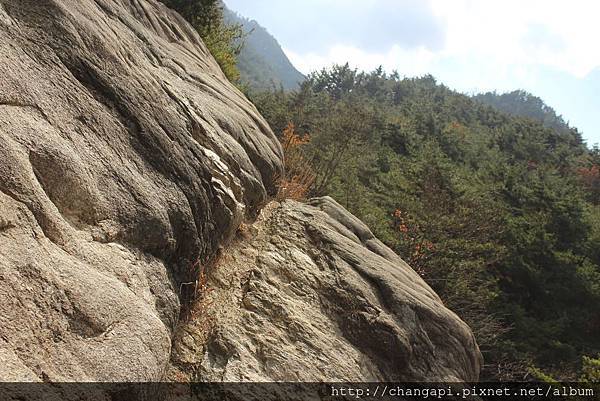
(523, 104)
(261, 61)
(499, 214)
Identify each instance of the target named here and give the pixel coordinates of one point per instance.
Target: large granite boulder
(125, 157)
(309, 294)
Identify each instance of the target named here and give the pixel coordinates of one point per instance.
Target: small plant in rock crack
(201, 305)
(194, 293)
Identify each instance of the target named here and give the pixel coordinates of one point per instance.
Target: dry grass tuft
(195, 294)
(298, 177)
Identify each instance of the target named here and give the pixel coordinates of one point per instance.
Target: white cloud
(561, 34)
(410, 62)
(547, 47)
(509, 34)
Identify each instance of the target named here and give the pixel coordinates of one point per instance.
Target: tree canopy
(223, 40)
(497, 212)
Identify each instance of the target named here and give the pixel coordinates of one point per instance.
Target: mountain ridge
(521, 103)
(262, 62)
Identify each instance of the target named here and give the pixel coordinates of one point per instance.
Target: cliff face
(125, 157)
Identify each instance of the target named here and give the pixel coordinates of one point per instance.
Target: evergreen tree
(497, 212)
(223, 41)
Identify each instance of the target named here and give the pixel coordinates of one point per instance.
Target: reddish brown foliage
(298, 177)
(590, 178)
(419, 249)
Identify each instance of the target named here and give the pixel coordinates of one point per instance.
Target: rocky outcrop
(309, 294)
(126, 161)
(125, 156)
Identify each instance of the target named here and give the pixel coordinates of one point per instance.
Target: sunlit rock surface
(125, 155)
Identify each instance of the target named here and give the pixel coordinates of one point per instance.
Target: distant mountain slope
(262, 62)
(523, 104)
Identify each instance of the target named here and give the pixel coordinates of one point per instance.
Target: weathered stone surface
(125, 155)
(309, 294)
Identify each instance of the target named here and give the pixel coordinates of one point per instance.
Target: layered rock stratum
(127, 164)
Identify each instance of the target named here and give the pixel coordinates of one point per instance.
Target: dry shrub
(298, 177)
(194, 294)
(244, 231)
(202, 302)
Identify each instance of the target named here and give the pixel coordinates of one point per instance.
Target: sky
(547, 47)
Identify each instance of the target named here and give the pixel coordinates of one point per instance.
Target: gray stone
(312, 295)
(125, 156)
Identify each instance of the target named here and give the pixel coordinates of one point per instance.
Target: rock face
(312, 295)
(125, 158)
